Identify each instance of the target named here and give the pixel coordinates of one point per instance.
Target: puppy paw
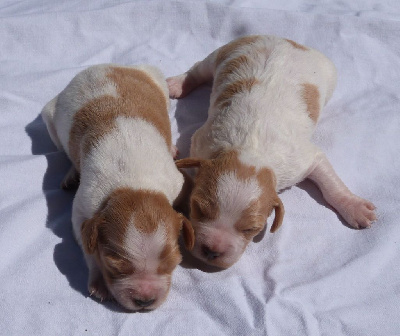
(70, 184)
(71, 180)
(98, 289)
(175, 86)
(174, 152)
(358, 212)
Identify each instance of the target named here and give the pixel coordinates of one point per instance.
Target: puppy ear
(189, 162)
(279, 212)
(188, 232)
(90, 232)
(181, 203)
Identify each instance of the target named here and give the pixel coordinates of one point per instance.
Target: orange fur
(138, 97)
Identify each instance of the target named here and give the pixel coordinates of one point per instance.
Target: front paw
(98, 288)
(174, 152)
(358, 212)
(175, 86)
(71, 180)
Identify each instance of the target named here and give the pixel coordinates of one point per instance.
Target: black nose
(144, 303)
(209, 254)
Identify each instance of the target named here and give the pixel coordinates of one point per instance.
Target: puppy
(266, 98)
(113, 123)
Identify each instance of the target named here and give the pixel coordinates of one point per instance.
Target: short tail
(48, 115)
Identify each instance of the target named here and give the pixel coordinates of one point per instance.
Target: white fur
(222, 238)
(145, 286)
(234, 196)
(134, 155)
(220, 235)
(269, 126)
(48, 116)
(83, 88)
(145, 248)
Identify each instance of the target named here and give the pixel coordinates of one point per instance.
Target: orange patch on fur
(204, 202)
(225, 51)
(138, 97)
(232, 89)
(169, 258)
(297, 45)
(146, 208)
(110, 223)
(311, 97)
(252, 219)
(255, 216)
(230, 68)
(149, 210)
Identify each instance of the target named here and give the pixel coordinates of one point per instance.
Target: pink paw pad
(175, 86)
(358, 212)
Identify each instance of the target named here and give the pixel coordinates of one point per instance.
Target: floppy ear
(188, 232)
(189, 163)
(89, 232)
(279, 212)
(181, 203)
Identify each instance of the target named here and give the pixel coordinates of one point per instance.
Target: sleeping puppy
(266, 98)
(113, 123)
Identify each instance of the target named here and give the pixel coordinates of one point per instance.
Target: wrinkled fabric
(315, 276)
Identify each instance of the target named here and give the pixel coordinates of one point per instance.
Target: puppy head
(229, 206)
(134, 237)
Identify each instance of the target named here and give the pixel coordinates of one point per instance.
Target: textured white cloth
(315, 276)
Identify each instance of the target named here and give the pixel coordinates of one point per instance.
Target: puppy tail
(48, 115)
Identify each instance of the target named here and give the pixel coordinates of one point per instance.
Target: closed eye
(203, 207)
(250, 230)
(197, 211)
(118, 266)
(169, 261)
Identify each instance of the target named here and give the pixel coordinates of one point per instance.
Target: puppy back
(133, 92)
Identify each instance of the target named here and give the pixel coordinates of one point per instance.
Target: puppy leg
(96, 284)
(179, 86)
(71, 179)
(358, 212)
(174, 152)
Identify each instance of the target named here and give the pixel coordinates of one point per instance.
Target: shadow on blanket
(67, 254)
(311, 189)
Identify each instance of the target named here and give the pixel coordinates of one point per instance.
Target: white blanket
(315, 276)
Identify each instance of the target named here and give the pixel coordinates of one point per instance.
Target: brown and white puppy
(266, 98)
(113, 123)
